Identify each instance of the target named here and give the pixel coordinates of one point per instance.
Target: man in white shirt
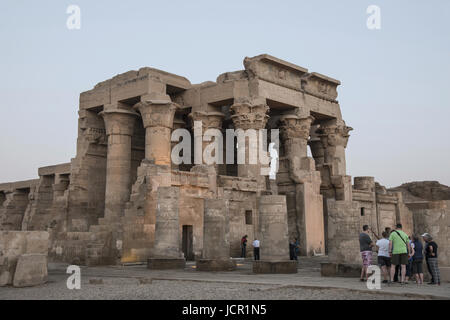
(384, 259)
(256, 249)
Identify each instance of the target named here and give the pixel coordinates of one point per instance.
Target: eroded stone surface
(103, 206)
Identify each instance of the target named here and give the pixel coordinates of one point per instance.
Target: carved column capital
(334, 134)
(292, 126)
(210, 120)
(157, 113)
(249, 116)
(119, 121)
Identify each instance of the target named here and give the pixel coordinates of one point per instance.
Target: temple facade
(103, 206)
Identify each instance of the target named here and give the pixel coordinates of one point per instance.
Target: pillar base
(166, 263)
(280, 266)
(215, 265)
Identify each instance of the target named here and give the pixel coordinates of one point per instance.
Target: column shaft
(119, 125)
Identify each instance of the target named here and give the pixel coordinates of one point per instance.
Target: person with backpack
(399, 249)
(417, 259)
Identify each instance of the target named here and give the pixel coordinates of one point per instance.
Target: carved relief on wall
(95, 135)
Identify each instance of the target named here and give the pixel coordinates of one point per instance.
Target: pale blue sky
(395, 89)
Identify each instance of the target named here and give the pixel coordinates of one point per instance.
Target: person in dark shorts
(384, 259)
(417, 259)
(365, 246)
(399, 249)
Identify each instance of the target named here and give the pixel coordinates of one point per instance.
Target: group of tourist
(294, 248)
(400, 256)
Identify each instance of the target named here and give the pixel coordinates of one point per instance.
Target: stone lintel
(316, 75)
(268, 59)
(63, 168)
(131, 85)
(25, 184)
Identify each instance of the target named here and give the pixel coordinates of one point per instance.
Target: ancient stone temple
(103, 206)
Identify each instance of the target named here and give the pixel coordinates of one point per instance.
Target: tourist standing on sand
(256, 249)
(399, 249)
(431, 255)
(417, 259)
(384, 259)
(244, 246)
(365, 247)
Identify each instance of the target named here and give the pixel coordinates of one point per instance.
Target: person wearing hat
(431, 256)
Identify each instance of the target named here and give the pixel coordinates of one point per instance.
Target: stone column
(209, 120)
(308, 201)
(294, 133)
(216, 245)
(247, 115)
(119, 124)
(274, 238)
(157, 116)
(166, 252)
(334, 136)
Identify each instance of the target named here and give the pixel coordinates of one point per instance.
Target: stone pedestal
(166, 253)
(216, 246)
(274, 243)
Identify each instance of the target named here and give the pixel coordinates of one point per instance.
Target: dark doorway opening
(187, 242)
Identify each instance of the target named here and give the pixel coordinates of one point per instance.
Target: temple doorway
(187, 242)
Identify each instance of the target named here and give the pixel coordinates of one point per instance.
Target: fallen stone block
(95, 281)
(31, 270)
(13, 244)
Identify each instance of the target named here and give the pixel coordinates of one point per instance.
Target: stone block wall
(434, 218)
